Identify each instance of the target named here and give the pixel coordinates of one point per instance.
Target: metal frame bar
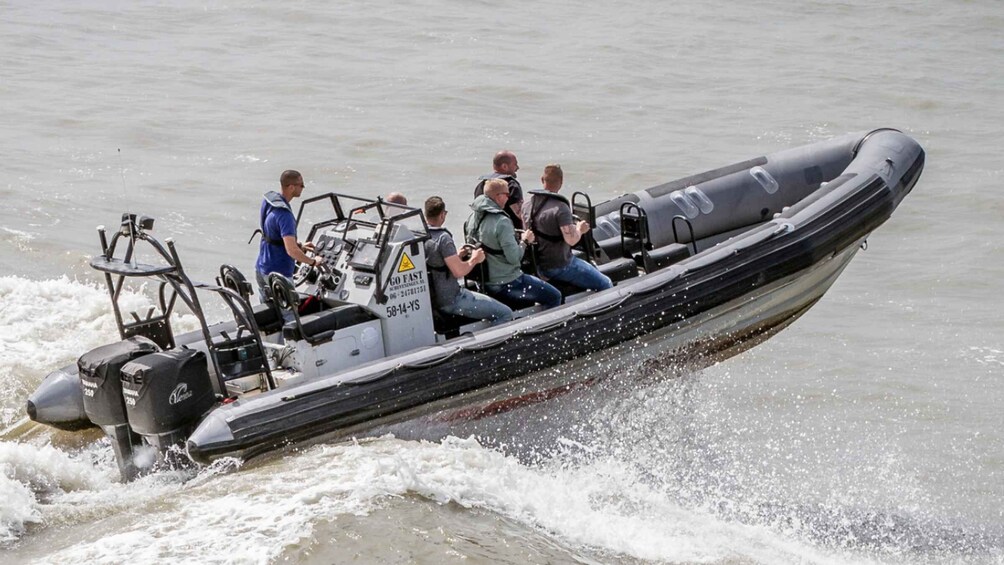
(173, 274)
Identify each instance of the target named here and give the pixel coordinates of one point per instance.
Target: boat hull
(714, 304)
(692, 343)
(714, 336)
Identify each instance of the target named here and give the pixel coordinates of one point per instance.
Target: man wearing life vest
(446, 267)
(505, 166)
(492, 228)
(279, 251)
(549, 216)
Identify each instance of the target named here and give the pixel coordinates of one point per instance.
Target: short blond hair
(494, 187)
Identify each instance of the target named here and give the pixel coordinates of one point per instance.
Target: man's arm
(293, 250)
(460, 268)
(571, 230)
(517, 208)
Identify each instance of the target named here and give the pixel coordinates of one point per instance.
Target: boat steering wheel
(305, 274)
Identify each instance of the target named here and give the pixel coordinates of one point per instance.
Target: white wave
(27, 471)
(988, 356)
(21, 239)
(19, 507)
(44, 324)
(253, 515)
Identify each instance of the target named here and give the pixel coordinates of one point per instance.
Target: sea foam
(29, 473)
(251, 516)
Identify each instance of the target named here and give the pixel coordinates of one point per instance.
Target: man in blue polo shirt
(279, 249)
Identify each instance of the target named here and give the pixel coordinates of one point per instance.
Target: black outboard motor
(100, 379)
(166, 394)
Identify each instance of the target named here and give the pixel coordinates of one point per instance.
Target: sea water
(870, 431)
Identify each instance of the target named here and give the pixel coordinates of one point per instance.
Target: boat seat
(662, 256)
(515, 303)
(566, 289)
(310, 304)
(449, 324)
(619, 269)
(321, 326)
(268, 318)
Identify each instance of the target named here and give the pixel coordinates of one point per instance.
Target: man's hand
(529, 237)
(309, 246)
(477, 256)
(583, 227)
(571, 233)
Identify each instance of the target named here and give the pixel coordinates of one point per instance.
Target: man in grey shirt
(446, 267)
(549, 215)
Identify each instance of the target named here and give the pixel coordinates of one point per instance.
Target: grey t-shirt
(438, 247)
(549, 214)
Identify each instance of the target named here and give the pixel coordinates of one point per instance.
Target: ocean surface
(870, 431)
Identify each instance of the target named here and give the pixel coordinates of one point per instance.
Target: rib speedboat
(706, 266)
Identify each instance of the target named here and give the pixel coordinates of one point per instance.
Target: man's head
(435, 211)
(497, 190)
(552, 177)
(291, 183)
(396, 198)
(505, 163)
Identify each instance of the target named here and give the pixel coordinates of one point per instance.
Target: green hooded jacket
(490, 226)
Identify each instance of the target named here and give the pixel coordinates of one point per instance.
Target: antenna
(130, 256)
(121, 170)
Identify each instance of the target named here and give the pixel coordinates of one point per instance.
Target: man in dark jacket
(504, 167)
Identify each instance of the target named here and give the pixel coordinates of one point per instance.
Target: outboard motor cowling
(166, 394)
(100, 379)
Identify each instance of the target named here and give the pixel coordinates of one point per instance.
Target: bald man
(504, 167)
(397, 198)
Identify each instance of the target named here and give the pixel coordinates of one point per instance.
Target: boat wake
(34, 478)
(596, 503)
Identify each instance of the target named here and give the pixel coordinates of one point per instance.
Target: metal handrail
(642, 236)
(676, 237)
(587, 241)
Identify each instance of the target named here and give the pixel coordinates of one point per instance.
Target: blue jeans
(478, 307)
(581, 274)
(526, 288)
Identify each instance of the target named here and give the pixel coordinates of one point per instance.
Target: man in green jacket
(490, 226)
